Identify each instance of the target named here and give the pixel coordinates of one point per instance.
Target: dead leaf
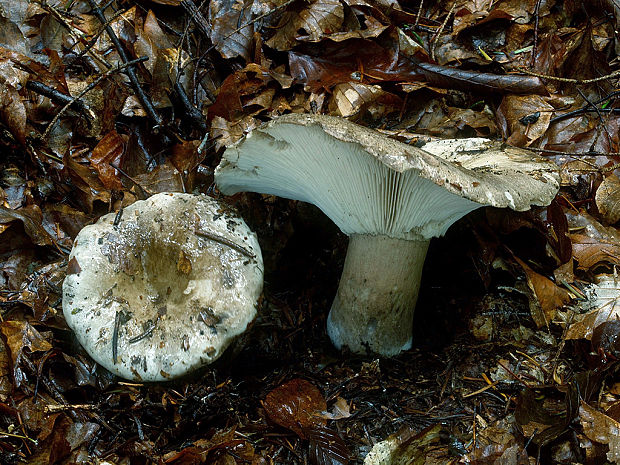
(13, 112)
(21, 336)
(296, 405)
(608, 199)
(31, 217)
(106, 153)
(526, 117)
(548, 296)
(319, 18)
(600, 428)
(227, 34)
(340, 410)
(352, 98)
(604, 300)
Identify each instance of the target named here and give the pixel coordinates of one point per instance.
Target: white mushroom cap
(166, 289)
(368, 183)
(391, 198)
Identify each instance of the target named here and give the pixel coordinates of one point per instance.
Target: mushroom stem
(373, 308)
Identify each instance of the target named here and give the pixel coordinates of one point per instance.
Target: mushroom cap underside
(368, 183)
(163, 292)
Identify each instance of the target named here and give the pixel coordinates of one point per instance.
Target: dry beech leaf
(227, 133)
(598, 427)
(226, 17)
(106, 153)
(13, 112)
(320, 18)
(548, 295)
(327, 447)
(32, 218)
(526, 117)
(608, 199)
(604, 299)
(339, 410)
(21, 335)
(351, 97)
(296, 405)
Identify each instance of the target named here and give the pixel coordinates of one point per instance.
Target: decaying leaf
(319, 18)
(351, 98)
(296, 405)
(604, 302)
(593, 243)
(548, 296)
(608, 199)
(600, 428)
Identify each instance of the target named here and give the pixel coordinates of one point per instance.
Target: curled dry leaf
(548, 297)
(525, 118)
(32, 218)
(296, 405)
(13, 112)
(593, 243)
(603, 298)
(600, 428)
(352, 98)
(227, 18)
(20, 335)
(608, 199)
(319, 18)
(108, 152)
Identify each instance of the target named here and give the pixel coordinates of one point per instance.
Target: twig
(224, 241)
(93, 40)
(192, 111)
(613, 75)
(584, 96)
(117, 326)
(535, 45)
(145, 334)
(129, 70)
(433, 40)
(587, 107)
(87, 89)
(481, 390)
(417, 18)
(55, 95)
(572, 154)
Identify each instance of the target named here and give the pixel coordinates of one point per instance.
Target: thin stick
(87, 89)
(440, 30)
(613, 75)
(117, 325)
(145, 334)
(224, 241)
(130, 71)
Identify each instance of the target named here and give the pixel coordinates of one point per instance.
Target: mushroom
(390, 198)
(163, 287)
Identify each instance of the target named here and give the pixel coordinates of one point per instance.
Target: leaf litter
(516, 349)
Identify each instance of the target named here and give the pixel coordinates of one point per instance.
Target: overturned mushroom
(164, 288)
(390, 198)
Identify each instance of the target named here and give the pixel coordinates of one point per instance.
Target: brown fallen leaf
(598, 427)
(608, 199)
(32, 218)
(593, 243)
(351, 98)
(317, 19)
(106, 153)
(19, 336)
(296, 405)
(549, 297)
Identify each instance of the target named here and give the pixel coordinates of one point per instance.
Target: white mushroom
(163, 289)
(390, 198)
